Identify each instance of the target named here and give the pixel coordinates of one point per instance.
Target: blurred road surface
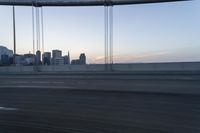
(99, 103)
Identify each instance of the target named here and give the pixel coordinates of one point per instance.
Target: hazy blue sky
(142, 33)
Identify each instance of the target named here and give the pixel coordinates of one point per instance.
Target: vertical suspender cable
(42, 28)
(111, 33)
(108, 17)
(38, 28)
(36, 17)
(14, 35)
(33, 28)
(106, 33)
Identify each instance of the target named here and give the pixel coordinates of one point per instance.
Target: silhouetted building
(56, 53)
(4, 52)
(59, 61)
(82, 59)
(29, 59)
(57, 57)
(75, 62)
(38, 57)
(46, 58)
(4, 60)
(67, 59)
(19, 59)
(11, 60)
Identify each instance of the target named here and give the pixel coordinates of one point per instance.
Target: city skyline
(141, 33)
(55, 57)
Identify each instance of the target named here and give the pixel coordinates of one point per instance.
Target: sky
(162, 32)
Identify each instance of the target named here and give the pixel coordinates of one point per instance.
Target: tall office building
(82, 59)
(46, 58)
(67, 59)
(57, 58)
(38, 57)
(4, 60)
(4, 52)
(59, 61)
(56, 54)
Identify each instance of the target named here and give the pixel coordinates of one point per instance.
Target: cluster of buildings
(6, 56)
(47, 58)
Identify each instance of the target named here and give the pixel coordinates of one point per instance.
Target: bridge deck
(99, 103)
(78, 2)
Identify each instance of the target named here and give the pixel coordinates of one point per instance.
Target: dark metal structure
(78, 2)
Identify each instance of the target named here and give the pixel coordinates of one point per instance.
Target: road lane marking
(8, 109)
(35, 82)
(38, 86)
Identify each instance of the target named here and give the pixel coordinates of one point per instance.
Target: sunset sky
(142, 33)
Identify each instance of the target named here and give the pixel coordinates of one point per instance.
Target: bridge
(79, 2)
(37, 19)
(139, 98)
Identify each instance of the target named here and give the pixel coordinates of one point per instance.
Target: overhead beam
(79, 2)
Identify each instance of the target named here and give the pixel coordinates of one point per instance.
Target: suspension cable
(14, 35)
(33, 28)
(42, 28)
(111, 34)
(106, 32)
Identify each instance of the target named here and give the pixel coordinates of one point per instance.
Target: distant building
(82, 59)
(38, 57)
(56, 53)
(19, 59)
(75, 62)
(57, 57)
(4, 60)
(46, 58)
(4, 52)
(59, 61)
(29, 59)
(67, 59)
(11, 60)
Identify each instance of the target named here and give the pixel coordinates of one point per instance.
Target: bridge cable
(42, 28)
(106, 34)
(14, 36)
(33, 28)
(111, 34)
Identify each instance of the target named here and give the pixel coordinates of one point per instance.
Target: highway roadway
(99, 103)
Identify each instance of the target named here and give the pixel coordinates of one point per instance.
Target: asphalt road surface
(100, 103)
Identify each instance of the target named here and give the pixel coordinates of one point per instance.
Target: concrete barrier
(136, 67)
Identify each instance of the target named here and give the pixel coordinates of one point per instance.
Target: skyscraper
(56, 53)
(46, 58)
(82, 59)
(57, 58)
(67, 59)
(4, 59)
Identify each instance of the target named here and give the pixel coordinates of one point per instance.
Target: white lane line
(37, 86)
(8, 109)
(35, 82)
